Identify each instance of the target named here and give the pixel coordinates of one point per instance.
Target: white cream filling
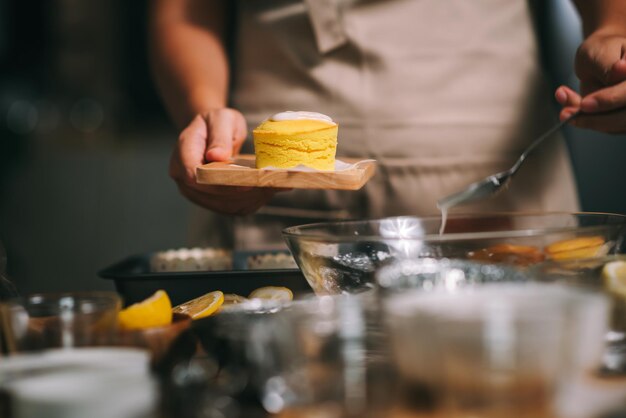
(300, 115)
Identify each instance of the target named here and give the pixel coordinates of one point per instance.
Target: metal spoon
(494, 183)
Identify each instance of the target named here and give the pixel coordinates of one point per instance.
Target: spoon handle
(539, 140)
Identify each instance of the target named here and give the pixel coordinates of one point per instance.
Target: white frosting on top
(290, 115)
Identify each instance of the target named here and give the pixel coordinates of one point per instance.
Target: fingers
(601, 68)
(215, 137)
(567, 97)
(610, 122)
(189, 151)
(226, 132)
(596, 57)
(567, 112)
(605, 100)
(603, 111)
(618, 71)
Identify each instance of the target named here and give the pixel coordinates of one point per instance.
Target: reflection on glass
(326, 357)
(596, 274)
(495, 350)
(342, 257)
(65, 320)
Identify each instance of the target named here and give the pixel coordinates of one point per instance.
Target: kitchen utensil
(496, 182)
(134, 281)
(338, 257)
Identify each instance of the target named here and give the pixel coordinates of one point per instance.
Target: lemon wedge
(577, 248)
(280, 294)
(201, 306)
(614, 275)
(154, 311)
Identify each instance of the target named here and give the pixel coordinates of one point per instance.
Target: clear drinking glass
(493, 350)
(591, 274)
(325, 357)
(60, 320)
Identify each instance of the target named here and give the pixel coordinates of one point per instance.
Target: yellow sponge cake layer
(289, 143)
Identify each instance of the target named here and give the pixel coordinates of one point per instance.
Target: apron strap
(327, 24)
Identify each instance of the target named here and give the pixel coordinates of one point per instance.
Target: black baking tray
(134, 281)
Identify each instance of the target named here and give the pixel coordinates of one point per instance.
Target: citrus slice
(201, 306)
(580, 254)
(233, 299)
(581, 247)
(155, 311)
(281, 294)
(614, 275)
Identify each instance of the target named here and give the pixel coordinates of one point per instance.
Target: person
(440, 93)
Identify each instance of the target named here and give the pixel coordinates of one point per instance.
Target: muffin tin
(134, 281)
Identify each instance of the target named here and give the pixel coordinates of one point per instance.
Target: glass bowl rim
(300, 231)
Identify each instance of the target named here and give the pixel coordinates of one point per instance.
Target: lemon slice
(233, 299)
(577, 248)
(614, 275)
(580, 253)
(202, 306)
(155, 311)
(281, 294)
(575, 244)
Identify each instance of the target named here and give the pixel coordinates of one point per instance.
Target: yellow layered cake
(289, 139)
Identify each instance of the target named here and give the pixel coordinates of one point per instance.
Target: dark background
(85, 142)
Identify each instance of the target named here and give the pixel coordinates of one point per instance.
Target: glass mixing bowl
(338, 257)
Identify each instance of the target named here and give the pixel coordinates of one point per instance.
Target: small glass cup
(588, 274)
(492, 350)
(325, 356)
(457, 326)
(60, 320)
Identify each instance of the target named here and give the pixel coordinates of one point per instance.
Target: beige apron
(440, 92)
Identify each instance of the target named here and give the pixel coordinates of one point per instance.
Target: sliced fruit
(155, 311)
(580, 254)
(281, 294)
(201, 306)
(574, 244)
(521, 255)
(233, 299)
(614, 275)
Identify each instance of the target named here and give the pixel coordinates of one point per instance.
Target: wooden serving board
(242, 172)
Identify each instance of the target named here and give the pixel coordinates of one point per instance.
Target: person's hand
(216, 136)
(601, 68)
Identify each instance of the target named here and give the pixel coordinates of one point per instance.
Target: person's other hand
(216, 136)
(601, 68)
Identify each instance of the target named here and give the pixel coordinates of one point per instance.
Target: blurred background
(85, 142)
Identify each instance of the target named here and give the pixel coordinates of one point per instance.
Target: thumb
(222, 130)
(189, 151)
